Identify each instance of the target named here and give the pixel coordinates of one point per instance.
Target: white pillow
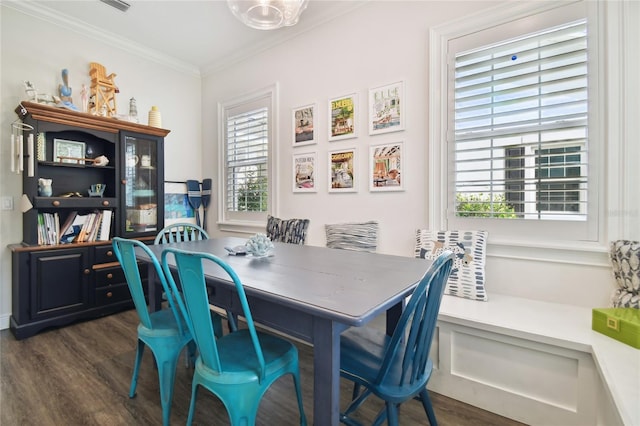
(469, 247)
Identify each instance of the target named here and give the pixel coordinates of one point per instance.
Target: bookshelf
(65, 269)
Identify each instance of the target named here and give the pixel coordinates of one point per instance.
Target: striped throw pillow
(292, 231)
(361, 236)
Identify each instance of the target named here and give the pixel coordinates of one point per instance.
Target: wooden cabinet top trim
(80, 119)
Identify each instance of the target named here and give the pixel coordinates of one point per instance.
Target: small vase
(155, 119)
(44, 187)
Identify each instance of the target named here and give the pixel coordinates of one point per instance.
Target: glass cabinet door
(141, 185)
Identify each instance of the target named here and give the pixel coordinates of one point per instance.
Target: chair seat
(240, 363)
(163, 325)
(362, 352)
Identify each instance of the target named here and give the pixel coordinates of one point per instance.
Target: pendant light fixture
(267, 14)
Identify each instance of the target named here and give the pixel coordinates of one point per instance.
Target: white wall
(379, 43)
(36, 50)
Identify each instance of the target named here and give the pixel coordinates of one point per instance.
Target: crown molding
(49, 15)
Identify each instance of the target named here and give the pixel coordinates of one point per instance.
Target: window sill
(575, 253)
(242, 227)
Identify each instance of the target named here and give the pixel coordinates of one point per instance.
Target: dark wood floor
(80, 375)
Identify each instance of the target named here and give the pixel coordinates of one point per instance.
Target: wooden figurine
(103, 91)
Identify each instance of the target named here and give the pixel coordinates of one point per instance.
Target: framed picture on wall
(304, 172)
(342, 117)
(303, 125)
(385, 167)
(342, 170)
(176, 204)
(386, 108)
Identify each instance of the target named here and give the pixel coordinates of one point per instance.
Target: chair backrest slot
(180, 232)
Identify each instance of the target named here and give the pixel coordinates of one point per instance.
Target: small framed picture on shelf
(303, 119)
(342, 117)
(65, 151)
(176, 204)
(385, 167)
(304, 172)
(342, 170)
(386, 108)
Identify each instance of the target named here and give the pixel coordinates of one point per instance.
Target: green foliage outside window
(481, 205)
(252, 195)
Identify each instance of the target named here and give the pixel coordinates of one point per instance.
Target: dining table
(310, 293)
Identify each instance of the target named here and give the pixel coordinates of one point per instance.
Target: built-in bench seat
(534, 361)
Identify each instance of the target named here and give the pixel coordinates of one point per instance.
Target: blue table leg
(393, 316)
(326, 372)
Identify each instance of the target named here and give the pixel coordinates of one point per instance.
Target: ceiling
(199, 35)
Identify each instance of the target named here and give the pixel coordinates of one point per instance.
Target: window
(247, 187)
(516, 134)
(520, 127)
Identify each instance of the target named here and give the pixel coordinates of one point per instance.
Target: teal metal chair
(396, 368)
(179, 232)
(239, 367)
(165, 332)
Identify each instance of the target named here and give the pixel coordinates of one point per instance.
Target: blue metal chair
(165, 331)
(396, 368)
(239, 367)
(179, 232)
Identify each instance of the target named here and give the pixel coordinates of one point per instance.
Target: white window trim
(250, 226)
(611, 99)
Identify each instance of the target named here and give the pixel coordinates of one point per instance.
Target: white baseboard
(4, 321)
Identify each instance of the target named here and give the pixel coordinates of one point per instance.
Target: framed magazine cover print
(304, 172)
(386, 108)
(385, 167)
(303, 119)
(342, 117)
(342, 170)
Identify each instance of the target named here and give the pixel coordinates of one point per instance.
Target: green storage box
(622, 324)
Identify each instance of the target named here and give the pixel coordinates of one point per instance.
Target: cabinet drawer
(115, 275)
(105, 254)
(112, 294)
(110, 276)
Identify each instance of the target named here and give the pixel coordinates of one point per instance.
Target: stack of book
(82, 228)
(48, 228)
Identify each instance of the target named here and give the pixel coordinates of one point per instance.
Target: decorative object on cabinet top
(72, 118)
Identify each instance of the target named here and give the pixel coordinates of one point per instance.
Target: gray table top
(341, 285)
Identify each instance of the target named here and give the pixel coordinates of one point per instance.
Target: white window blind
(247, 156)
(520, 137)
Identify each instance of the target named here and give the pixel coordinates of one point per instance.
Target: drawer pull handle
(109, 294)
(109, 253)
(87, 271)
(110, 276)
(105, 203)
(55, 203)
